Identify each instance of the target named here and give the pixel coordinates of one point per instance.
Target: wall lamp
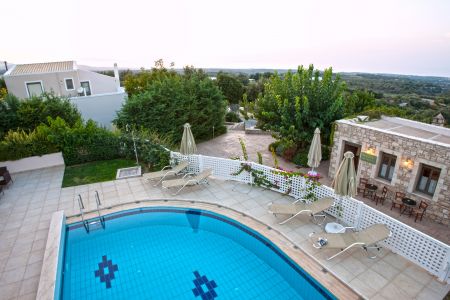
(370, 150)
(408, 163)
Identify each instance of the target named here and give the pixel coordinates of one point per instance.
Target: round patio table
(371, 189)
(334, 228)
(409, 204)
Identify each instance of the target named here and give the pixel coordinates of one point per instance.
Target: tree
(9, 106)
(293, 106)
(138, 83)
(255, 89)
(167, 102)
(34, 111)
(358, 100)
(231, 87)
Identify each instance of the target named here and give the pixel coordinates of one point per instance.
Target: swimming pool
(179, 253)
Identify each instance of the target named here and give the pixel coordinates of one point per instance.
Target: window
(387, 166)
(428, 178)
(69, 84)
(34, 88)
(87, 87)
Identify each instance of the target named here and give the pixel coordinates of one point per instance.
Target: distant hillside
(391, 84)
(383, 84)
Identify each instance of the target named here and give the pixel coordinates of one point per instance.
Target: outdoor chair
(315, 209)
(362, 186)
(166, 172)
(382, 197)
(419, 211)
(366, 239)
(5, 177)
(397, 202)
(188, 180)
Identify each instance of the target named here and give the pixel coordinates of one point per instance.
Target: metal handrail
(81, 205)
(97, 201)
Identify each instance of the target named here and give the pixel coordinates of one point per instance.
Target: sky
(383, 36)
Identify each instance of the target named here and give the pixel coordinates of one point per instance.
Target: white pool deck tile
(27, 205)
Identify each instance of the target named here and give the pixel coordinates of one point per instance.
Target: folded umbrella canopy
(344, 183)
(188, 146)
(315, 151)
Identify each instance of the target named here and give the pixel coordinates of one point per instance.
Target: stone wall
(405, 174)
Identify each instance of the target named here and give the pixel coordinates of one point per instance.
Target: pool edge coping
(50, 279)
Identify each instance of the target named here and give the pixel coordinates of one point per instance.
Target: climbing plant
(259, 178)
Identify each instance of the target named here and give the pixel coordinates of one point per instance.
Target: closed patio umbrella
(344, 183)
(315, 152)
(187, 141)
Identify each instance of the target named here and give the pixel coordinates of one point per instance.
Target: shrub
(165, 104)
(301, 158)
(19, 144)
(273, 145)
(325, 152)
(9, 106)
(36, 110)
(151, 148)
(84, 142)
(232, 117)
(289, 153)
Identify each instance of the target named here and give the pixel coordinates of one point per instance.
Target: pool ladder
(95, 223)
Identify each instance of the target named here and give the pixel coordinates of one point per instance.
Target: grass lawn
(96, 171)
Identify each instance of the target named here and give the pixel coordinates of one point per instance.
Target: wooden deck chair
(294, 209)
(161, 175)
(366, 239)
(188, 180)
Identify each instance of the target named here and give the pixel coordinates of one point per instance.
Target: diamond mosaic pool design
(177, 253)
(201, 283)
(106, 271)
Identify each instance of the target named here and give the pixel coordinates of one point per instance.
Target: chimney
(116, 74)
(438, 120)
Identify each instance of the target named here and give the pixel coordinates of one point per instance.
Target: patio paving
(227, 145)
(27, 206)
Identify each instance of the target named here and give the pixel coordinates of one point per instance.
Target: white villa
(97, 96)
(64, 78)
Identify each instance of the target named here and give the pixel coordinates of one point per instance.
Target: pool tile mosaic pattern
(106, 271)
(172, 261)
(201, 284)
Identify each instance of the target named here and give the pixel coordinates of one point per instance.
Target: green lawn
(96, 171)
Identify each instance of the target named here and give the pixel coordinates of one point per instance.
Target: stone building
(403, 155)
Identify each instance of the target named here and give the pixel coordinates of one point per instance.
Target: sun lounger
(187, 180)
(297, 208)
(366, 239)
(161, 175)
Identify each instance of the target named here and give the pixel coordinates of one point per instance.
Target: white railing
(421, 249)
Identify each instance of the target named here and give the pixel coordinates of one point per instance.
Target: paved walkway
(27, 206)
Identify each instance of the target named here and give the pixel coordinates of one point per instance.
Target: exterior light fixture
(408, 163)
(370, 150)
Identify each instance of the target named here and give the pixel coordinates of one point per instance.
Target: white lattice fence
(346, 209)
(224, 168)
(194, 166)
(427, 252)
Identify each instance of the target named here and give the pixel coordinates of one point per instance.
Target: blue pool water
(177, 253)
